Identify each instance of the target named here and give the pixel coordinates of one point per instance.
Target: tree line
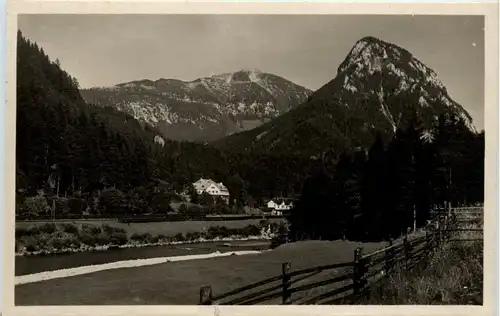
(376, 195)
(68, 148)
(105, 162)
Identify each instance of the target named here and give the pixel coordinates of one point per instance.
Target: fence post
(406, 249)
(428, 240)
(389, 257)
(357, 271)
(414, 218)
(439, 231)
(286, 267)
(206, 295)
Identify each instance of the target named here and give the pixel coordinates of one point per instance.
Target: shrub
(62, 240)
(160, 202)
(34, 206)
(264, 223)
(136, 237)
(250, 230)
(179, 237)
(70, 229)
(155, 239)
(89, 240)
(77, 206)
(110, 230)
(145, 238)
(20, 232)
(91, 230)
(62, 206)
(183, 208)
(218, 231)
(193, 235)
(103, 239)
(30, 243)
(31, 247)
(48, 228)
(118, 238)
(110, 201)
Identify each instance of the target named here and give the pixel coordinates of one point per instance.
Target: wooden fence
(347, 281)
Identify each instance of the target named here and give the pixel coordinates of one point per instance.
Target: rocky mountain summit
(378, 88)
(206, 108)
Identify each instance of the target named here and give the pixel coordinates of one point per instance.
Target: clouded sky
(104, 50)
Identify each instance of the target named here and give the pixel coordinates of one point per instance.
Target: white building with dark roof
(215, 189)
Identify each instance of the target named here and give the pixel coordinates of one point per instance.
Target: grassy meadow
(180, 282)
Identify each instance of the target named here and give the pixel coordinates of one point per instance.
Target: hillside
(206, 108)
(379, 87)
(60, 135)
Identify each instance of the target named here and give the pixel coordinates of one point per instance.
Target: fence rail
(354, 281)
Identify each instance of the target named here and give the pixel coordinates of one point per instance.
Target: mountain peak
(379, 88)
(205, 108)
(373, 51)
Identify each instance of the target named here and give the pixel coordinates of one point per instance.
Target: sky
(104, 50)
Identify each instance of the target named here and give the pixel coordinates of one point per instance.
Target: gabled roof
(279, 201)
(202, 184)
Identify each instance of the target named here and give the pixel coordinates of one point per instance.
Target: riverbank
(51, 239)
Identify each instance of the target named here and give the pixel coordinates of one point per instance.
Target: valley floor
(178, 283)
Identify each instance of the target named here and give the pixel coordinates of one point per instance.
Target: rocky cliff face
(378, 88)
(206, 108)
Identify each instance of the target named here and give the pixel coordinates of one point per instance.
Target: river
(33, 264)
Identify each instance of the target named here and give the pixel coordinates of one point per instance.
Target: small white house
(277, 206)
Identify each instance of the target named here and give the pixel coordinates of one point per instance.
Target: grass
(450, 275)
(180, 282)
(156, 228)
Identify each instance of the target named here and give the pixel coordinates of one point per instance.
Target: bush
(118, 238)
(34, 206)
(193, 235)
(250, 230)
(62, 240)
(31, 247)
(89, 240)
(20, 232)
(110, 201)
(179, 237)
(31, 243)
(103, 239)
(48, 228)
(136, 237)
(218, 231)
(281, 236)
(91, 230)
(62, 206)
(160, 202)
(144, 238)
(70, 229)
(110, 230)
(77, 206)
(183, 208)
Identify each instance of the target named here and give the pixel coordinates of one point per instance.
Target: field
(180, 282)
(155, 228)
